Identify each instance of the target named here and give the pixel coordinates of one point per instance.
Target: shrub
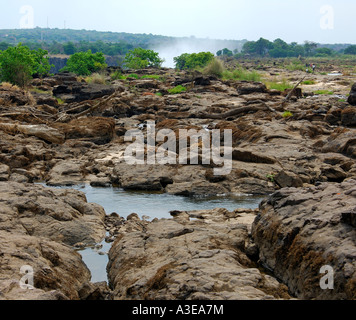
(242, 75)
(117, 75)
(191, 61)
(295, 65)
(18, 64)
(85, 63)
(214, 68)
(141, 58)
(96, 78)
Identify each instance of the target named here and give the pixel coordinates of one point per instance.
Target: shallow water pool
(158, 205)
(149, 206)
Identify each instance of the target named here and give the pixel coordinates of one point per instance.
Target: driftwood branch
(292, 91)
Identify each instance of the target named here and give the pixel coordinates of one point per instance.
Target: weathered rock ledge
(298, 231)
(39, 228)
(197, 255)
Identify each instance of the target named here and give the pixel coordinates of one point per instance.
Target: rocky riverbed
(64, 132)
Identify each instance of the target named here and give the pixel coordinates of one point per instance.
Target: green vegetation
(141, 58)
(279, 85)
(350, 50)
(133, 75)
(68, 41)
(60, 101)
(287, 114)
(153, 76)
(225, 53)
(85, 63)
(271, 176)
(96, 78)
(191, 61)
(117, 75)
(177, 90)
(324, 92)
(18, 64)
(308, 82)
(295, 65)
(242, 74)
(279, 48)
(214, 68)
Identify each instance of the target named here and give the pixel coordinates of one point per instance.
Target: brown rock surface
(196, 255)
(38, 229)
(56, 214)
(298, 231)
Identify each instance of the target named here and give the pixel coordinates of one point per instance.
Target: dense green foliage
(225, 52)
(350, 50)
(140, 58)
(190, 61)
(177, 90)
(85, 63)
(280, 49)
(18, 64)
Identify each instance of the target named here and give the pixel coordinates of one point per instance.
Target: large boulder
(40, 229)
(299, 232)
(58, 271)
(352, 97)
(179, 259)
(70, 90)
(98, 130)
(348, 117)
(248, 87)
(57, 214)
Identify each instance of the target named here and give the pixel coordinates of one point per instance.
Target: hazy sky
(323, 21)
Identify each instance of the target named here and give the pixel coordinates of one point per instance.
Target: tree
(193, 60)
(142, 58)
(224, 52)
(69, 48)
(249, 47)
(18, 64)
(324, 52)
(350, 50)
(309, 47)
(85, 63)
(262, 46)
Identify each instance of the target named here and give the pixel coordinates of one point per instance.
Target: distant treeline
(281, 49)
(68, 42)
(69, 48)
